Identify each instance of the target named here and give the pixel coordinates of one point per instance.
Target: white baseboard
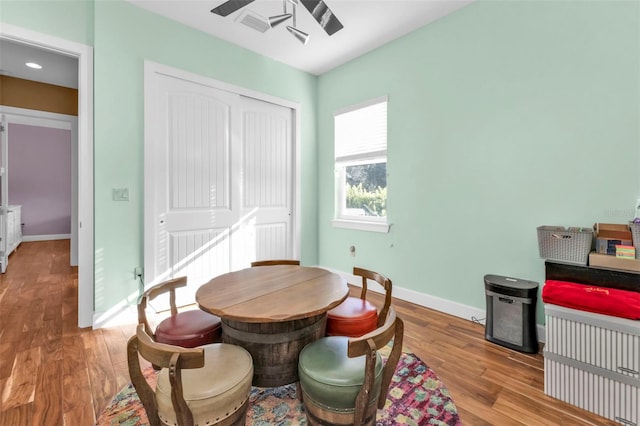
(27, 238)
(433, 302)
(542, 336)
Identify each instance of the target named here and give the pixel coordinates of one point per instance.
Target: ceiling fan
(318, 9)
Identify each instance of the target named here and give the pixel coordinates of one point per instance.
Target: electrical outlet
(352, 250)
(137, 272)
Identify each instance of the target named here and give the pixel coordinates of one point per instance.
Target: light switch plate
(120, 194)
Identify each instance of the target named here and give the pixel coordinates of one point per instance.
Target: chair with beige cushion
(343, 380)
(208, 385)
(275, 262)
(189, 328)
(356, 316)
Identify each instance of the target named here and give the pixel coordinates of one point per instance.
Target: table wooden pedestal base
(274, 346)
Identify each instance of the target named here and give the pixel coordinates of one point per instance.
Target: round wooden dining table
(273, 312)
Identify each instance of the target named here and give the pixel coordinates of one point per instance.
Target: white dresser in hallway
(10, 233)
(14, 227)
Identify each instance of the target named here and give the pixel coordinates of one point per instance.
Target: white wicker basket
(565, 245)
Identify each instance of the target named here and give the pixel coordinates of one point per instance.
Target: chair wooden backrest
(368, 345)
(153, 292)
(275, 262)
(174, 358)
(384, 282)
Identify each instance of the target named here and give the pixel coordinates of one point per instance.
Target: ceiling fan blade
(323, 15)
(230, 6)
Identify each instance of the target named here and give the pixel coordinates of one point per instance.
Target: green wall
(68, 19)
(502, 117)
(126, 36)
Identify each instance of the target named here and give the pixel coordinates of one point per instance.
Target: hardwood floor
(53, 373)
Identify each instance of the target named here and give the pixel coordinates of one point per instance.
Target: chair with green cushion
(207, 385)
(343, 380)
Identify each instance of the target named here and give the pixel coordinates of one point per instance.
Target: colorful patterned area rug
(416, 397)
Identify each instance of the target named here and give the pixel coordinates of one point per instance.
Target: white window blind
(361, 131)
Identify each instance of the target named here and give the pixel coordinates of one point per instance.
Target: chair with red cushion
(357, 316)
(187, 329)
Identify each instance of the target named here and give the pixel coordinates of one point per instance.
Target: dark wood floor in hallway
(54, 373)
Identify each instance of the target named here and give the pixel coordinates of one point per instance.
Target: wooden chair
(275, 262)
(188, 329)
(209, 385)
(343, 380)
(356, 316)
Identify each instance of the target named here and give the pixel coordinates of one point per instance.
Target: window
(361, 166)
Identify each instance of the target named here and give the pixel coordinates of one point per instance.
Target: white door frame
(84, 54)
(151, 68)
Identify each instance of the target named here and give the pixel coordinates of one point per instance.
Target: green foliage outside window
(366, 187)
(374, 203)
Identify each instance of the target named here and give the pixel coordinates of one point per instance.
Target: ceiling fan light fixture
(278, 19)
(300, 35)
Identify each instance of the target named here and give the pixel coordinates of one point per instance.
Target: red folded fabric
(601, 300)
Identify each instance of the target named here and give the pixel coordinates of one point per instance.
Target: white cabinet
(14, 228)
(593, 361)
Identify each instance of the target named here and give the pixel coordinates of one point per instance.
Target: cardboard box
(608, 235)
(597, 260)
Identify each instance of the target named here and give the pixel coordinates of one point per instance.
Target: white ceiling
(367, 24)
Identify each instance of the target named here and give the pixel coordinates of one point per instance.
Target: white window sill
(361, 225)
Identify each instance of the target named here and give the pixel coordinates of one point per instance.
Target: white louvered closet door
(218, 181)
(266, 179)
